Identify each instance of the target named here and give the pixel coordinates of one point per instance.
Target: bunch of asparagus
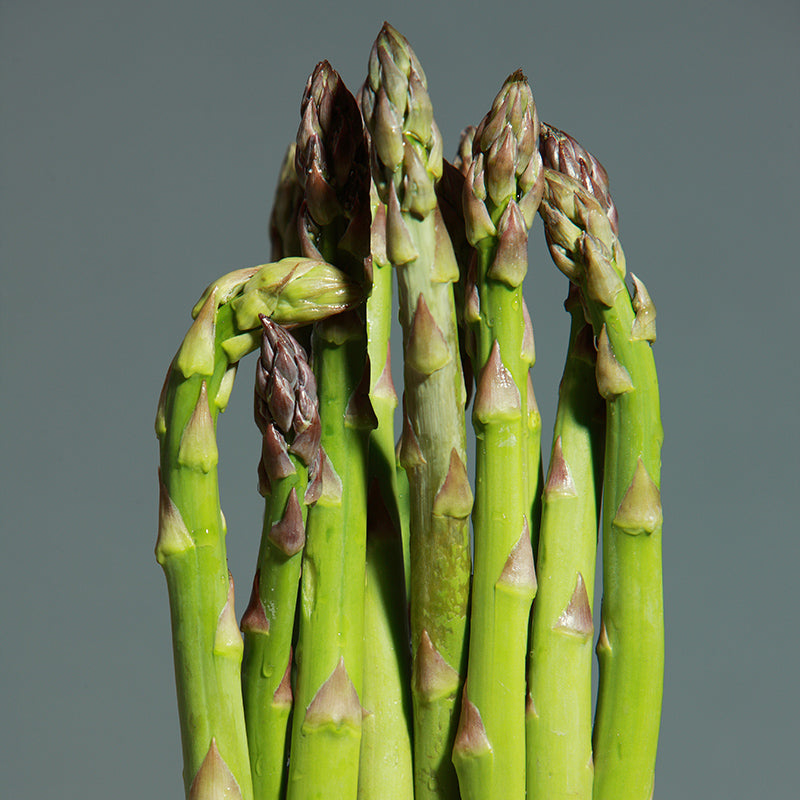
(377, 658)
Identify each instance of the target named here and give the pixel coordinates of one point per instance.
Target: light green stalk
(385, 769)
(502, 190)
(191, 540)
(326, 729)
(631, 641)
(288, 418)
(407, 158)
(559, 720)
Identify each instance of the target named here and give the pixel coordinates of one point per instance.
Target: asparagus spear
(287, 415)
(331, 162)
(559, 720)
(191, 538)
(283, 231)
(631, 641)
(407, 161)
(385, 769)
(502, 190)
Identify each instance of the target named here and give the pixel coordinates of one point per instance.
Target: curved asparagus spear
(406, 157)
(631, 642)
(287, 415)
(559, 720)
(502, 190)
(334, 221)
(191, 538)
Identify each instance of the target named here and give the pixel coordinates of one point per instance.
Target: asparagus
(332, 167)
(559, 720)
(407, 161)
(631, 641)
(287, 415)
(385, 769)
(502, 190)
(283, 231)
(191, 538)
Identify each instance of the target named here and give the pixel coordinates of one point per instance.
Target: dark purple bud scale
(286, 404)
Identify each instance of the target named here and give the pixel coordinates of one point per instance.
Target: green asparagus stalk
(331, 162)
(631, 641)
(502, 190)
(287, 415)
(407, 162)
(386, 771)
(385, 768)
(559, 720)
(191, 538)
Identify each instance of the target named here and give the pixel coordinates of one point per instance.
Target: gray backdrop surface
(140, 144)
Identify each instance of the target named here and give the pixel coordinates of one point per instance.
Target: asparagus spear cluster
(387, 651)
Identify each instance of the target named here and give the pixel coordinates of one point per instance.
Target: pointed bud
(227, 637)
(435, 155)
(644, 324)
(500, 174)
(306, 443)
(387, 132)
(519, 572)
(384, 386)
(359, 413)
(161, 411)
(378, 236)
(477, 222)
(511, 257)
(559, 478)
(237, 347)
(335, 704)
(426, 350)
(223, 394)
(394, 81)
(226, 287)
(198, 446)
(434, 678)
(530, 707)
(568, 266)
(576, 618)
(612, 377)
(399, 247)
(533, 407)
(559, 228)
(196, 355)
(274, 455)
(282, 695)
(330, 482)
(528, 349)
(640, 509)
(214, 780)
(497, 397)
(603, 283)
(603, 647)
(173, 535)
(289, 533)
(254, 619)
(445, 267)
(471, 739)
(454, 498)
(410, 454)
(419, 195)
(533, 182)
(419, 120)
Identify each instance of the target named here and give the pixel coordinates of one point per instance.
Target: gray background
(140, 144)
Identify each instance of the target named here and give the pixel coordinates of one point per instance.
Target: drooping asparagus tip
(563, 153)
(286, 401)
